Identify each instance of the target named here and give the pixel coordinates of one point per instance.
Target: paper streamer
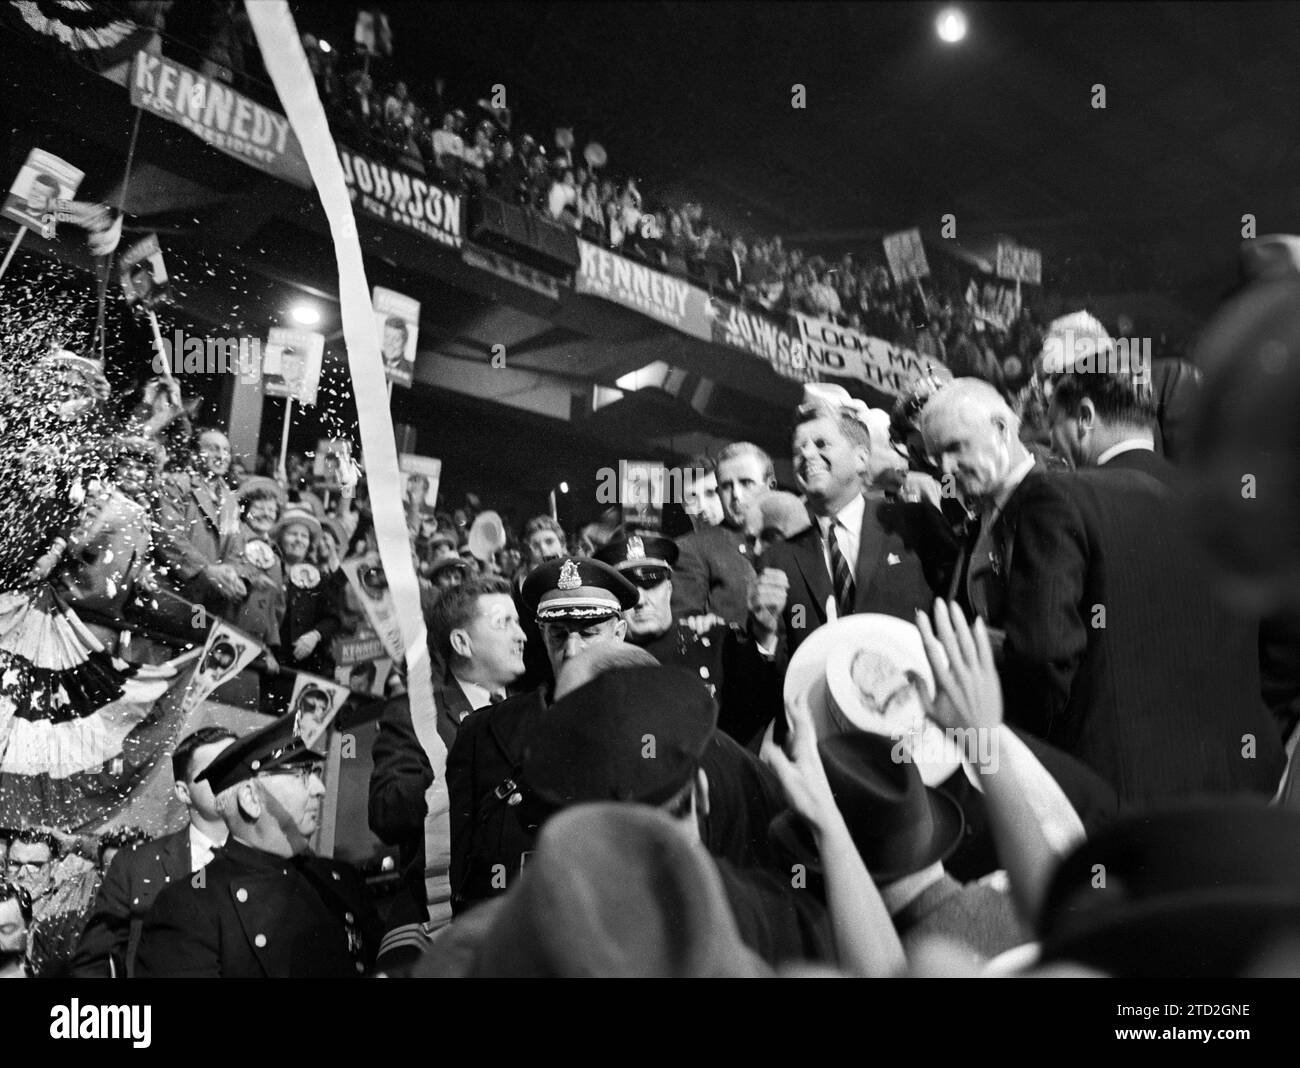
(278, 39)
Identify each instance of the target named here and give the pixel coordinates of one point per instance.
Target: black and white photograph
(652, 490)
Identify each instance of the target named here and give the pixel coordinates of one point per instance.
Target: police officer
(576, 602)
(264, 906)
(744, 681)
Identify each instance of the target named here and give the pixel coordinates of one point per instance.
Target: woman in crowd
(255, 561)
(311, 616)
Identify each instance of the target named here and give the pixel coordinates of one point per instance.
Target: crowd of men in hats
(888, 720)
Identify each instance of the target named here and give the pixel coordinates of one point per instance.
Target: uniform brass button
(360, 967)
(704, 673)
(336, 875)
(241, 895)
(260, 941)
(347, 917)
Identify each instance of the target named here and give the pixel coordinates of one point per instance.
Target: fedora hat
(1195, 891)
(899, 825)
(652, 905)
(855, 674)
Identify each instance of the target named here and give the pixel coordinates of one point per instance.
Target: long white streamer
(278, 38)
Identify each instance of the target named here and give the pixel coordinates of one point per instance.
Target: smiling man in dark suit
(473, 629)
(1116, 649)
(863, 552)
(137, 875)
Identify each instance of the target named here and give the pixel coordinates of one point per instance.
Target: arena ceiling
(695, 99)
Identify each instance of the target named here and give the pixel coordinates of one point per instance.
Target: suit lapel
(175, 855)
(807, 551)
(207, 505)
(871, 540)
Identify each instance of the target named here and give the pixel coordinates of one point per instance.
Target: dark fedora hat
(899, 825)
(1204, 889)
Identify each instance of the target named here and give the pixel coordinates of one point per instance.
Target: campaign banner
(641, 493)
(1018, 264)
(42, 181)
(670, 300)
(840, 352)
(400, 199)
(397, 317)
(291, 364)
(225, 654)
(144, 274)
(760, 336)
(369, 584)
(996, 304)
(211, 110)
(421, 474)
(314, 704)
(519, 273)
(906, 256)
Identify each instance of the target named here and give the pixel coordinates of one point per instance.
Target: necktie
(841, 577)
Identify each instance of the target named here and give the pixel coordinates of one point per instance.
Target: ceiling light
(950, 25)
(305, 315)
(564, 487)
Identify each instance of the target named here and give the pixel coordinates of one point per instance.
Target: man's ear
(1087, 414)
(460, 643)
(249, 800)
(182, 792)
(620, 628)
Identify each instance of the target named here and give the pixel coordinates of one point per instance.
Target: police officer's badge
(260, 554)
(304, 576)
(569, 578)
(635, 548)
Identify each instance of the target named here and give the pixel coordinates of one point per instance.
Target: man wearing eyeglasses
(137, 875)
(265, 907)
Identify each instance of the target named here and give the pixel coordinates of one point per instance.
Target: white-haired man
(1113, 650)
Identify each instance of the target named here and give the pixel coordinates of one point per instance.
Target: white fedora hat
(840, 660)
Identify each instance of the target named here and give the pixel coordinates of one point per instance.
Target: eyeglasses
(300, 771)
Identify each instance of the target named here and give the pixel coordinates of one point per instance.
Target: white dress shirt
(848, 532)
(477, 696)
(1132, 444)
(201, 847)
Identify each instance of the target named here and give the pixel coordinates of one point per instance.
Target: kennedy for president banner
(225, 119)
(839, 352)
(671, 300)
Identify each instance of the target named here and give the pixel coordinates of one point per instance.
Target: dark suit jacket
(486, 830)
(1117, 652)
(906, 552)
(712, 574)
(489, 836)
(256, 915)
(134, 879)
(398, 781)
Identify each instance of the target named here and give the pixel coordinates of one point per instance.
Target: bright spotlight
(950, 25)
(564, 487)
(305, 315)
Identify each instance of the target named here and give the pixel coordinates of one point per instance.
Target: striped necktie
(841, 576)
